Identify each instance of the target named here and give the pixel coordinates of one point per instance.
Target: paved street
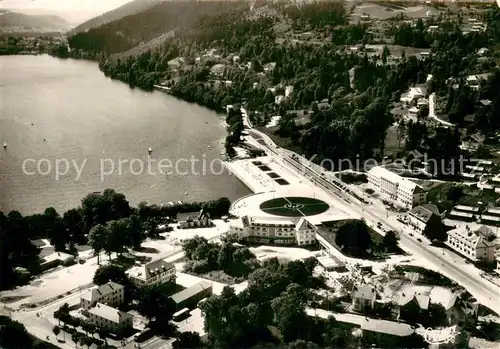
(486, 292)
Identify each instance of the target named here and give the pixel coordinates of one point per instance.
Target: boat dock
(162, 88)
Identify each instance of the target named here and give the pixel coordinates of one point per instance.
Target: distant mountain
(11, 22)
(128, 9)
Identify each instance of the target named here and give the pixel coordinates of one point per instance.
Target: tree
(337, 336)
(390, 241)
(120, 235)
(354, 238)
(158, 307)
(435, 229)
(62, 313)
(13, 335)
(436, 315)
(56, 330)
(289, 312)
(188, 340)
(110, 272)
(98, 236)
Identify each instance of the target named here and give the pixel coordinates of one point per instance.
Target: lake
(71, 131)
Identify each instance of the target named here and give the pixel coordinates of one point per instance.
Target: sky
(73, 11)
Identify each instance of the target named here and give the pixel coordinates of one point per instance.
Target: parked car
(419, 240)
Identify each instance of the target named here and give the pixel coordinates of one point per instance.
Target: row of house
(400, 189)
(366, 298)
(98, 303)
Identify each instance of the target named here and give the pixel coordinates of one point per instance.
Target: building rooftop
(493, 211)
(364, 292)
(467, 208)
(490, 218)
(329, 262)
(481, 235)
(101, 291)
(272, 221)
(387, 327)
(61, 256)
(150, 269)
(461, 214)
(191, 291)
(424, 212)
(106, 312)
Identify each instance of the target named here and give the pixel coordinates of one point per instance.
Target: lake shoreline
(96, 118)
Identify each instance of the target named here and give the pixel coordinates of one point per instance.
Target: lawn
(294, 206)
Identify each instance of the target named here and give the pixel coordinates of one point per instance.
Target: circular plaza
(291, 203)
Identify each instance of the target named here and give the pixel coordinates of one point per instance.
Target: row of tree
(204, 256)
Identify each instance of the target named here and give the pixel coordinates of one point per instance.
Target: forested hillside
(342, 96)
(128, 9)
(130, 31)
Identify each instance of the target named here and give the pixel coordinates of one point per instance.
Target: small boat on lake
(150, 151)
(4, 145)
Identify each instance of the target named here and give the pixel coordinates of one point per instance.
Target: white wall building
(413, 94)
(111, 319)
(153, 273)
(363, 297)
(421, 216)
(276, 231)
(110, 293)
(398, 188)
(475, 245)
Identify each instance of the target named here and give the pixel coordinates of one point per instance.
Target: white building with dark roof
(363, 297)
(275, 230)
(420, 217)
(398, 188)
(153, 273)
(110, 293)
(111, 319)
(475, 245)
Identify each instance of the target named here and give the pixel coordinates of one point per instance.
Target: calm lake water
(67, 110)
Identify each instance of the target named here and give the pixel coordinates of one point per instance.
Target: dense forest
(346, 97)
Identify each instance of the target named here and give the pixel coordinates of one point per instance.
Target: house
(433, 28)
(461, 312)
(413, 113)
(422, 102)
(153, 273)
(110, 293)
(422, 216)
(363, 298)
(472, 142)
(192, 295)
(425, 54)
(111, 319)
(482, 51)
(275, 231)
(475, 245)
(55, 259)
(217, 70)
(404, 191)
(194, 220)
(497, 269)
(413, 94)
(288, 91)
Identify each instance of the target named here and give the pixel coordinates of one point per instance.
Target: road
(483, 290)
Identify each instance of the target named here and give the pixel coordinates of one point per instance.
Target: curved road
(485, 292)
